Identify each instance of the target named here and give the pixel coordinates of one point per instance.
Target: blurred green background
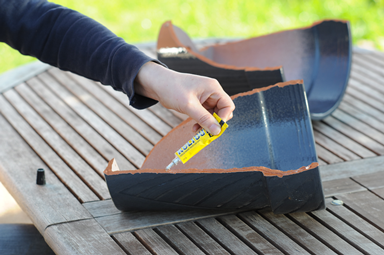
(140, 21)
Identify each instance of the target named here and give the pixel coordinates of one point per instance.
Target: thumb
(204, 119)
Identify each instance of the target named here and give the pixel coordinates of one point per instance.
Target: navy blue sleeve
(72, 42)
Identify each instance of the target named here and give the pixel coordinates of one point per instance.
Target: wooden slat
(124, 113)
(364, 107)
(101, 208)
(80, 237)
(147, 116)
(130, 221)
(370, 95)
(108, 116)
(349, 234)
(46, 205)
(274, 235)
(355, 135)
(334, 147)
(130, 244)
(224, 237)
(125, 148)
(341, 186)
(363, 117)
(370, 181)
(296, 233)
(179, 241)
(77, 123)
(326, 155)
(71, 158)
(357, 223)
(378, 192)
(321, 162)
(51, 159)
(165, 115)
(342, 139)
(352, 168)
(369, 73)
(324, 234)
(367, 205)
(201, 238)
(363, 128)
(154, 242)
(15, 76)
(63, 129)
(248, 235)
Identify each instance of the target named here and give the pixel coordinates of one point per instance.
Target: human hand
(194, 95)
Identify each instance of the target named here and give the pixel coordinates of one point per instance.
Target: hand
(194, 95)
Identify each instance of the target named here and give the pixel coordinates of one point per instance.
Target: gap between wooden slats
(357, 223)
(342, 140)
(347, 233)
(45, 205)
(77, 123)
(66, 153)
(72, 138)
(124, 113)
(370, 96)
(134, 138)
(147, 116)
(356, 135)
(375, 123)
(125, 148)
(53, 161)
(356, 124)
(332, 146)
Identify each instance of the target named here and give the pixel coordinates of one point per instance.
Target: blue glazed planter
(320, 55)
(265, 159)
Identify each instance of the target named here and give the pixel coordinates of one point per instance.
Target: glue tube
(196, 144)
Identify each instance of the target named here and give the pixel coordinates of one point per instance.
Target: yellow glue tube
(196, 144)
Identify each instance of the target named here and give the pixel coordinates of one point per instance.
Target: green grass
(139, 21)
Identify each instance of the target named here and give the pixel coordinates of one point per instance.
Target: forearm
(73, 42)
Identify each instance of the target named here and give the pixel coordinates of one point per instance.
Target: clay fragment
(266, 158)
(319, 54)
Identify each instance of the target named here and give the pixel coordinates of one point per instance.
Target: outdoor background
(140, 20)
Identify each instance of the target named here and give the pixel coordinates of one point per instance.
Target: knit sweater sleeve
(72, 42)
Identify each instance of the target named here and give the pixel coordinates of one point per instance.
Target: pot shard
(271, 129)
(320, 55)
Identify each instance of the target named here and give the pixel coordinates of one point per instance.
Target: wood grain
(224, 237)
(352, 168)
(111, 103)
(70, 157)
(154, 242)
(77, 123)
(273, 234)
(90, 238)
(130, 244)
(180, 242)
(201, 238)
(46, 205)
(50, 158)
(125, 148)
(133, 137)
(324, 234)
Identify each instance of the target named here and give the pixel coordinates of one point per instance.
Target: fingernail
(214, 129)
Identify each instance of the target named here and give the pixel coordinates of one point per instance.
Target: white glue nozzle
(173, 163)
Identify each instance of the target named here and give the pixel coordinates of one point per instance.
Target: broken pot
(319, 54)
(266, 158)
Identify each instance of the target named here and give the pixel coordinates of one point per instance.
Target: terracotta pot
(266, 158)
(319, 54)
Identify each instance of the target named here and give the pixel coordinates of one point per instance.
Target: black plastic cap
(40, 177)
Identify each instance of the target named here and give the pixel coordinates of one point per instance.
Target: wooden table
(71, 127)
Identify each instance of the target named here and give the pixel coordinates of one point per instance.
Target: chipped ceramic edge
(113, 169)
